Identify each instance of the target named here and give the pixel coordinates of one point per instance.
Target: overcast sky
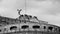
(47, 10)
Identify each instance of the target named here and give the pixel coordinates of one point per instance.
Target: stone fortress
(26, 24)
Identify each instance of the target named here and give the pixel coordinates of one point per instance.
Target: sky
(47, 10)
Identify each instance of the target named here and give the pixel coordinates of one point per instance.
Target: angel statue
(19, 10)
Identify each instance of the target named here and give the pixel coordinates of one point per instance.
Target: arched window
(44, 27)
(0, 30)
(13, 27)
(30, 16)
(55, 29)
(59, 29)
(35, 17)
(24, 26)
(36, 26)
(21, 15)
(50, 28)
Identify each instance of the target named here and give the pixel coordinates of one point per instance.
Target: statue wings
(19, 10)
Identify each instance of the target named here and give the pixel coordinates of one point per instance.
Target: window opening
(44, 27)
(36, 26)
(24, 26)
(0, 30)
(50, 28)
(13, 27)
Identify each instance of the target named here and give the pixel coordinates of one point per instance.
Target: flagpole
(25, 5)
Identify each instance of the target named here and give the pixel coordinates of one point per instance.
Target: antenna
(19, 10)
(25, 5)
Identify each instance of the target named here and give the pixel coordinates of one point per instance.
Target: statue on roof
(19, 10)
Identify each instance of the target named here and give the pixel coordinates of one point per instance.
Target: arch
(44, 27)
(24, 26)
(36, 27)
(59, 29)
(50, 28)
(0, 30)
(13, 27)
(55, 29)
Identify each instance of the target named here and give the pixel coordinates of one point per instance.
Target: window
(55, 29)
(44, 27)
(30, 16)
(24, 26)
(0, 24)
(35, 17)
(13, 27)
(50, 28)
(0, 30)
(36, 26)
(26, 15)
(21, 16)
(59, 29)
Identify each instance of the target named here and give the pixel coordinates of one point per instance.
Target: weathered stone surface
(44, 27)
(31, 32)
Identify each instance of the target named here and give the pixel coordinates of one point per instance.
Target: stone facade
(27, 23)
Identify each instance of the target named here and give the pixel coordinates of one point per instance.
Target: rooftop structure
(27, 24)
